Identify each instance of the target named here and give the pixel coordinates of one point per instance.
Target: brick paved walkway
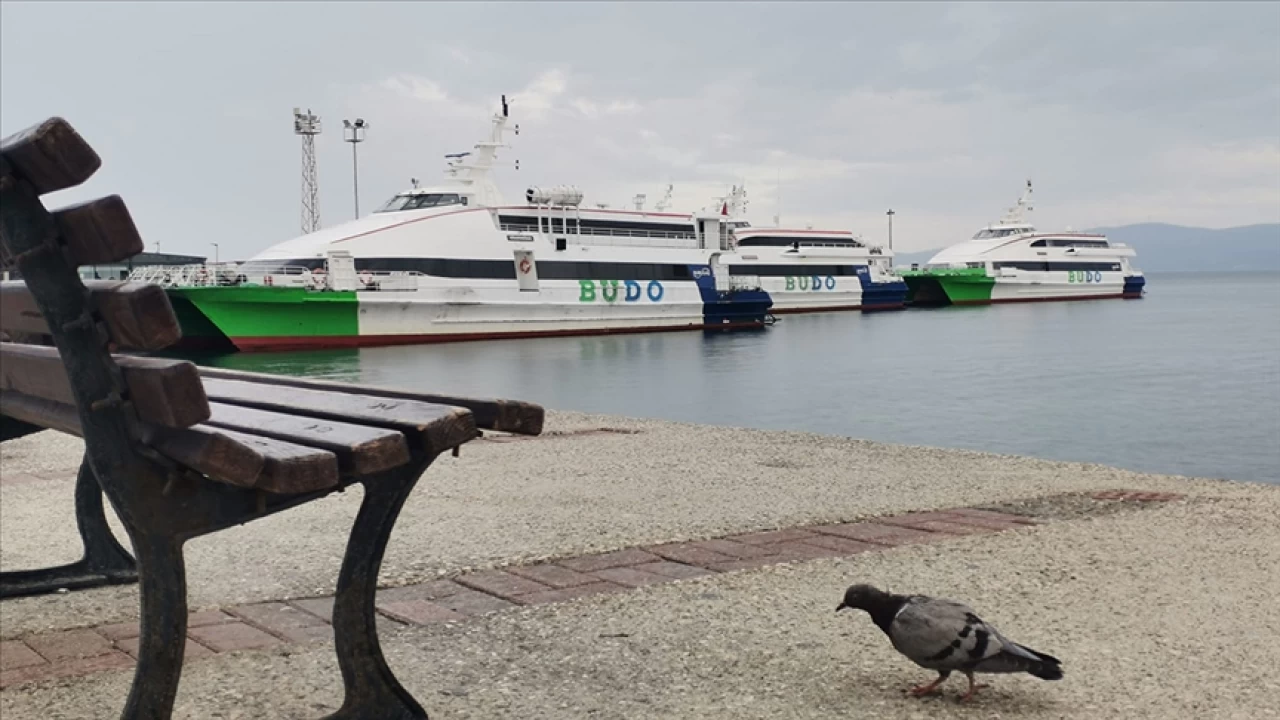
(81, 651)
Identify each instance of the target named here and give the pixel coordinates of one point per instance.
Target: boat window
(782, 241)
(417, 202)
(1038, 243)
(1064, 242)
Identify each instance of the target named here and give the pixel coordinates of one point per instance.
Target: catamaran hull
(257, 318)
(977, 288)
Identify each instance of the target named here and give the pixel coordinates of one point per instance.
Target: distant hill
(1175, 248)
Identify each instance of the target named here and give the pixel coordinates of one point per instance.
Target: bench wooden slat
(99, 232)
(51, 156)
(511, 416)
(138, 316)
(164, 392)
(434, 428)
(226, 456)
(360, 450)
(287, 467)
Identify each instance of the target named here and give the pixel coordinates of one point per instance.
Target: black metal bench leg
(162, 644)
(105, 562)
(372, 691)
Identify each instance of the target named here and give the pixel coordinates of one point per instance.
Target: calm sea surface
(1184, 381)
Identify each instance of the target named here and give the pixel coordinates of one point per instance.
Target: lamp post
(890, 214)
(353, 132)
(215, 253)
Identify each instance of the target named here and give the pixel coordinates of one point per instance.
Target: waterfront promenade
(619, 568)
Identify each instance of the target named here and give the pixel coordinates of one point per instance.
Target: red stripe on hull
(1001, 301)
(317, 342)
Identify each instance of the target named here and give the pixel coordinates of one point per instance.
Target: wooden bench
(181, 451)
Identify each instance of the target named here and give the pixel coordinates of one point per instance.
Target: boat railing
(744, 282)
(192, 275)
(233, 275)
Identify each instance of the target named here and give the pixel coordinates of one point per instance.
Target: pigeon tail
(1045, 667)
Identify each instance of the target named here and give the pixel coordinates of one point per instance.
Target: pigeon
(946, 636)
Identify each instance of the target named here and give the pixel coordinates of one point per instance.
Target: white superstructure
(457, 260)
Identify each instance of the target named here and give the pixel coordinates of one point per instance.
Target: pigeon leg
(931, 687)
(973, 689)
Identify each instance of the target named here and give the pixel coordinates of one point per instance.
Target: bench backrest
(84, 321)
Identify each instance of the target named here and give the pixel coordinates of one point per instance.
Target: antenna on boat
(1015, 214)
(639, 201)
(665, 202)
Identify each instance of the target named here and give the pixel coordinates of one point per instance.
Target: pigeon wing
(944, 635)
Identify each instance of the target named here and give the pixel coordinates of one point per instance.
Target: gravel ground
(1165, 612)
(564, 494)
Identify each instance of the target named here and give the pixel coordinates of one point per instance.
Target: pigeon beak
(840, 607)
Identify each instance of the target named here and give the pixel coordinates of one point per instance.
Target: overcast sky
(1119, 113)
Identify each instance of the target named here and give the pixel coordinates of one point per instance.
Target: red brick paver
(632, 577)
(285, 621)
(68, 653)
(502, 584)
(553, 575)
(870, 532)
(192, 651)
(69, 645)
(16, 654)
(233, 636)
(419, 612)
(620, 558)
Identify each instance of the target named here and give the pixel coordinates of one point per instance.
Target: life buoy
(525, 266)
(266, 280)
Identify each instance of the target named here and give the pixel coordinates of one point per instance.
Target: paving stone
(772, 536)
(889, 535)
(989, 523)
(15, 654)
(119, 631)
(430, 590)
(914, 519)
(736, 564)
(321, 607)
(502, 584)
(69, 645)
(993, 515)
(566, 594)
(604, 561)
(420, 612)
(631, 577)
(473, 602)
(192, 651)
(552, 576)
(735, 549)
(844, 545)
(800, 551)
(131, 628)
(953, 528)
(690, 554)
(230, 637)
(678, 571)
(284, 621)
(70, 668)
(208, 617)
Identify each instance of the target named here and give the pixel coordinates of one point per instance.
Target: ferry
(1010, 261)
(456, 262)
